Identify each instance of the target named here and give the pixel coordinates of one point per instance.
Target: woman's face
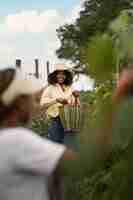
(61, 77)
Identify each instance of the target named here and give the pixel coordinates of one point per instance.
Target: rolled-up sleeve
(46, 99)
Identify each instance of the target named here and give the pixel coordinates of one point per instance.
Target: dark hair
(18, 105)
(6, 77)
(52, 78)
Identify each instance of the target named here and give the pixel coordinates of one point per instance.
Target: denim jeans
(56, 131)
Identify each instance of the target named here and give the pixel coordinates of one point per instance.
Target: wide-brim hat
(20, 85)
(60, 67)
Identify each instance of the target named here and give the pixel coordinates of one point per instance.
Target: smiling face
(61, 77)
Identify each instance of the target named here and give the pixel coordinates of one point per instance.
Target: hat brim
(59, 70)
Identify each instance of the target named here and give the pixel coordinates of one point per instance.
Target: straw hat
(61, 67)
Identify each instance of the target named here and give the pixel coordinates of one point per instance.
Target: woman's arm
(46, 99)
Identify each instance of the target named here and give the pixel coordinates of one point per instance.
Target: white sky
(30, 34)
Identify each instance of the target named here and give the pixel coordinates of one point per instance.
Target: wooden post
(36, 68)
(18, 63)
(48, 71)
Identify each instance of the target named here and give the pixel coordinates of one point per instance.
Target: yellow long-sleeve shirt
(49, 96)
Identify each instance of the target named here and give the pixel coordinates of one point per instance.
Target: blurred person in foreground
(26, 160)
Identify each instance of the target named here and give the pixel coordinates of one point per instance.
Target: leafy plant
(39, 126)
(100, 57)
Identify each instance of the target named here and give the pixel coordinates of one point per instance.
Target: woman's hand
(76, 93)
(62, 101)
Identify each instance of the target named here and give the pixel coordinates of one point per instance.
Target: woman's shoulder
(49, 87)
(52, 86)
(56, 86)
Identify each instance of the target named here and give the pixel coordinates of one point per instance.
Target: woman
(54, 97)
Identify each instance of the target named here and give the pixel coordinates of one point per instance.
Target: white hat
(60, 67)
(20, 86)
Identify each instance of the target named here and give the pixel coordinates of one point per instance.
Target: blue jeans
(56, 131)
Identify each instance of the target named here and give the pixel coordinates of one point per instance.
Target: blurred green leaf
(100, 57)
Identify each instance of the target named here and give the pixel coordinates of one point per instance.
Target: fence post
(36, 68)
(48, 70)
(18, 63)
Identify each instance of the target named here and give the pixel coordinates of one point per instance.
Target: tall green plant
(95, 16)
(100, 57)
(105, 54)
(122, 33)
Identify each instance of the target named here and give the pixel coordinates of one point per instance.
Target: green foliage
(122, 31)
(67, 35)
(101, 184)
(95, 17)
(39, 126)
(113, 179)
(121, 23)
(105, 55)
(100, 57)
